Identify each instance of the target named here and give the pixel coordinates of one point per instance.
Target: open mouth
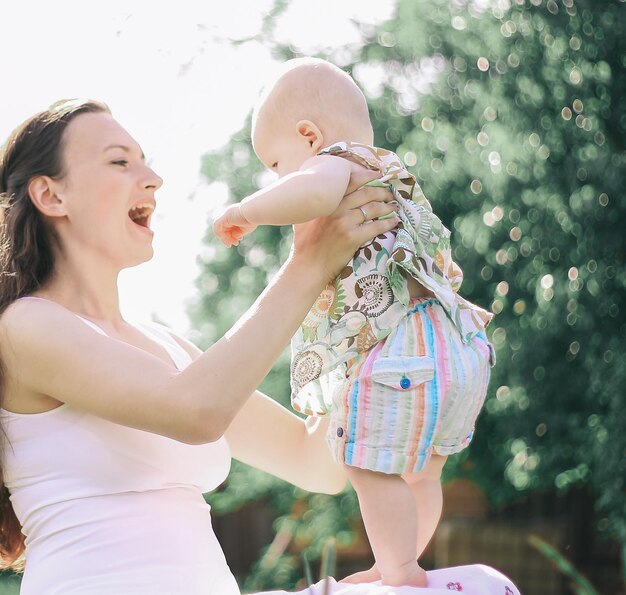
(140, 214)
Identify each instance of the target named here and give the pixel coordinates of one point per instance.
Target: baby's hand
(231, 226)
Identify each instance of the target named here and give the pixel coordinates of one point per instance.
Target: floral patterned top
(370, 296)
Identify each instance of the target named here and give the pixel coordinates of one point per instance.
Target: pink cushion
(469, 580)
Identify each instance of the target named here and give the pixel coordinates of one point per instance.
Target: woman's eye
(121, 162)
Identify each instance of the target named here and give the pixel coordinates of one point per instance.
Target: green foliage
(513, 121)
(580, 585)
(9, 583)
(328, 565)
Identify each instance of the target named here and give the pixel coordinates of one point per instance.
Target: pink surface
(470, 580)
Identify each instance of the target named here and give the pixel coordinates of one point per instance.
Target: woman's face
(107, 191)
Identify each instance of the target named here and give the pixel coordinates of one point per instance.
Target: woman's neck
(85, 289)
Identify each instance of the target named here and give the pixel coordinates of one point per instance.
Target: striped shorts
(417, 392)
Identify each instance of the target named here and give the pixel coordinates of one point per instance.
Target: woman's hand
(328, 243)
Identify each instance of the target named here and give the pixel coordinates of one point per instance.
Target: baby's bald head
(316, 90)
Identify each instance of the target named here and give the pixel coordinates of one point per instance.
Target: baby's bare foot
(364, 576)
(408, 574)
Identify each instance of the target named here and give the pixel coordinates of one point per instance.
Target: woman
(113, 431)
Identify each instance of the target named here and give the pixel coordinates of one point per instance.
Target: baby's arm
(315, 190)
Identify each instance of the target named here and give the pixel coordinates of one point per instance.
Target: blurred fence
(468, 533)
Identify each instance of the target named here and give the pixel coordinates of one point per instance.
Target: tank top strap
(93, 325)
(161, 335)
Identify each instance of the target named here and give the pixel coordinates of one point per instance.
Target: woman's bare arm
(267, 436)
(48, 350)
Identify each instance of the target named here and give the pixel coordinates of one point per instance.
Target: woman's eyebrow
(124, 148)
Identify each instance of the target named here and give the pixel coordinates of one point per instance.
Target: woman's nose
(153, 180)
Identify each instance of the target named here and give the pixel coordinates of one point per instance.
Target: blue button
(405, 382)
(340, 432)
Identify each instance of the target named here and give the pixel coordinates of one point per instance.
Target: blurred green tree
(512, 115)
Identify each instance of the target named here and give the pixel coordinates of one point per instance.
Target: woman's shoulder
(24, 331)
(29, 314)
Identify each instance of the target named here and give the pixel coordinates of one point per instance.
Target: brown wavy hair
(26, 256)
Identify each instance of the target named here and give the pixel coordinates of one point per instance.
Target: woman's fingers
(366, 195)
(357, 230)
(374, 210)
(367, 232)
(361, 177)
(368, 203)
(331, 241)
(362, 211)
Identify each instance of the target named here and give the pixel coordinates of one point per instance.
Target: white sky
(172, 79)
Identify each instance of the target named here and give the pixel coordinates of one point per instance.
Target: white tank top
(108, 509)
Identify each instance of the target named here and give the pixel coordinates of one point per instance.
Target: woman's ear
(43, 193)
(311, 133)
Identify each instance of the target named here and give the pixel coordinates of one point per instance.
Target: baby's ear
(310, 132)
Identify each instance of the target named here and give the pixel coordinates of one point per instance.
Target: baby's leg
(390, 519)
(426, 489)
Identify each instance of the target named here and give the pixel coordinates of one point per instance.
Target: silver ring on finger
(364, 214)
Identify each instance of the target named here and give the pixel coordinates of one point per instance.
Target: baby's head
(309, 105)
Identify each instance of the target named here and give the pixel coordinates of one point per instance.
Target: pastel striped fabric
(419, 391)
(365, 302)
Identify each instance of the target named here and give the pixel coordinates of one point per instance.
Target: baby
(390, 351)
